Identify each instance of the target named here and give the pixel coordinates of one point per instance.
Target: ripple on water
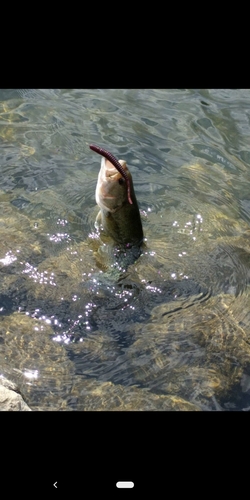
(131, 343)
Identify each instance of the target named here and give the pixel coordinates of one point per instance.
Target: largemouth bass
(119, 215)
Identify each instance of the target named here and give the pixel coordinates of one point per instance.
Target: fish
(119, 215)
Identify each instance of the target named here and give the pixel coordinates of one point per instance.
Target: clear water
(172, 333)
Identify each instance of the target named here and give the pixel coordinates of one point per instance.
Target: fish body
(119, 218)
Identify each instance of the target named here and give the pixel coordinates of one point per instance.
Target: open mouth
(116, 164)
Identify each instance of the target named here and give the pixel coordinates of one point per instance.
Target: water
(173, 331)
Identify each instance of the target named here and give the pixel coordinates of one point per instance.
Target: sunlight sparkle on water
(190, 226)
(153, 289)
(8, 259)
(42, 277)
(43, 318)
(58, 237)
(31, 374)
(123, 294)
(182, 253)
(62, 222)
(94, 235)
(61, 338)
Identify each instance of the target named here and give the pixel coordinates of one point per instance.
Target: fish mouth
(108, 195)
(110, 171)
(117, 164)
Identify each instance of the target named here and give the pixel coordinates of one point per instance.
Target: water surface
(173, 332)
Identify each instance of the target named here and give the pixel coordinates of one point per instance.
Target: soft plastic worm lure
(116, 164)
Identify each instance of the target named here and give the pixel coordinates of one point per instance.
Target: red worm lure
(116, 164)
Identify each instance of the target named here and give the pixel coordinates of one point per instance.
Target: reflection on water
(172, 330)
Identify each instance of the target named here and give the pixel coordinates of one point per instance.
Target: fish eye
(121, 181)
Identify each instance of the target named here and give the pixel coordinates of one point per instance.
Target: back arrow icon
(55, 484)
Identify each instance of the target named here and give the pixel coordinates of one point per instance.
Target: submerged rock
(40, 366)
(129, 342)
(10, 398)
(92, 395)
(199, 353)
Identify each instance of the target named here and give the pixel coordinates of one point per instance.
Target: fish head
(111, 189)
